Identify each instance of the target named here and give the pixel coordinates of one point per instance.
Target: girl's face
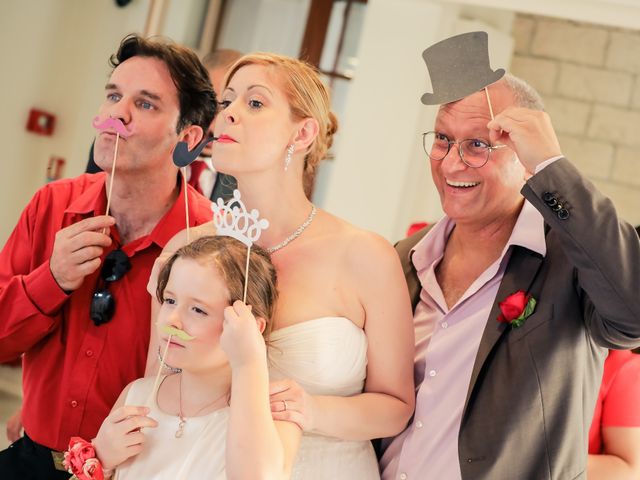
(255, 125)
(194, 301)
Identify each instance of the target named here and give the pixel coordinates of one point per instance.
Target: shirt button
(89, 353)
(432, 373)
(418, 424)
(73, 403)
(444, 324)
(403, 476)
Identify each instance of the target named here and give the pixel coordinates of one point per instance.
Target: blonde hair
(229, 256)
(308, 97)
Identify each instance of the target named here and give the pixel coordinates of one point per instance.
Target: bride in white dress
(341, 352)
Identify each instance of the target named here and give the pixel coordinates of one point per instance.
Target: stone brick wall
(589, 78)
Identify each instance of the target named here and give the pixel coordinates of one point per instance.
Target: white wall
(615, 13)
(264, 25)
(183, 21)
(372, 176)
(24, 72)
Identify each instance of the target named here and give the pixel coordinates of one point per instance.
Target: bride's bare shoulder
(355, 240)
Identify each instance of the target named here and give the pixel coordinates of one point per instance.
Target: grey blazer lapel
(403, 247)
(413, 282)
(519, 275)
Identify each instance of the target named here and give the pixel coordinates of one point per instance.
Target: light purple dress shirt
(447, 342)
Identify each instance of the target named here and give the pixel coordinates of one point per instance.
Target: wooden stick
(186, 201)
(246, 275)
(113, 172)
(486, 91)
(152, 394)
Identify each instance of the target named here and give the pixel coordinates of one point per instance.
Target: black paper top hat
(459, 66)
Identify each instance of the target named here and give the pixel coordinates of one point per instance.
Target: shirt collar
(208, 162)
(431, 247)
(93, 199)
(528, 232)
(174, 220)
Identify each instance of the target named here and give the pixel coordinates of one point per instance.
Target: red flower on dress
(516, 308)
(80, 460)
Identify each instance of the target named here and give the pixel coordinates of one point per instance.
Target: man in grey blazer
(517, 292)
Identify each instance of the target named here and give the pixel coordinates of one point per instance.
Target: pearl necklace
(182, 420)
(296, 233)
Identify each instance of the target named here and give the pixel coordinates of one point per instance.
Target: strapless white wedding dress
(326, 356)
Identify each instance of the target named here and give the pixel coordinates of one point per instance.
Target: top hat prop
(459, 66)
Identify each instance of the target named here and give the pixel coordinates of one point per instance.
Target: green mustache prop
(173, 331)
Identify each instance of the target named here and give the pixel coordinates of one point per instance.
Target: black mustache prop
(183, 157)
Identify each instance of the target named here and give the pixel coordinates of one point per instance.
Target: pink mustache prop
(114, 124)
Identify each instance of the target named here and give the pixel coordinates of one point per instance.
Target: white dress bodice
(199, 453)
(326, 356)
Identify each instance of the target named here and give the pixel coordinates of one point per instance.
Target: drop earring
(287, 159)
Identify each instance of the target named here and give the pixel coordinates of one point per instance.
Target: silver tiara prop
(233, 220)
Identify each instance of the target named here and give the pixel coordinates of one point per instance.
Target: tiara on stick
(233, 220)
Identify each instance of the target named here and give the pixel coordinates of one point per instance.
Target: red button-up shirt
(74, 371)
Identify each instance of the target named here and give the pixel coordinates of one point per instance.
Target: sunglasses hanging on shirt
(103, 304)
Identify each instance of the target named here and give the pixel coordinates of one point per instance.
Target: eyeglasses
(473, 152)
(103, 305)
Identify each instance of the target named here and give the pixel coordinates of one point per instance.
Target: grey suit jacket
(533, 389)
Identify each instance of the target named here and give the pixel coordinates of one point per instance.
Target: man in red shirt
(73, 281)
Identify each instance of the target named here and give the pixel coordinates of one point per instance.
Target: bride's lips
(226, 139)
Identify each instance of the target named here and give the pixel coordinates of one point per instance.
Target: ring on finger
(284, 404)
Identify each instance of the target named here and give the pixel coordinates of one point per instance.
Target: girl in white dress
(341, 352)
(211, 420)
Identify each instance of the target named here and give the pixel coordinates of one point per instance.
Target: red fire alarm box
(40, 122)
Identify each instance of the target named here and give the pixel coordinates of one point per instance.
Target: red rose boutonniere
(516, 308)
(80, 460)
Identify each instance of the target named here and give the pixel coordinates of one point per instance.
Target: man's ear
(306, 134)
(191, 134)
(262, 324)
